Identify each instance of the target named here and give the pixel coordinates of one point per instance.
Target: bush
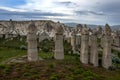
(70, 69)
(18, 69)
(112, 68)
(54, 77)
(78, 71)
(2, 66)
(88, 73)
(67, 47)
(8, 69)
(23, 47)
(26, 74)
(72, 77)
(45, 49)
(88, 78)
(46, 45)
(51, 65)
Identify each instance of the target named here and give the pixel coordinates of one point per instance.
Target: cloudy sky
(78, 11)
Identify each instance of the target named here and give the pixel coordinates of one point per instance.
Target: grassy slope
(49, 69)
(7, 53)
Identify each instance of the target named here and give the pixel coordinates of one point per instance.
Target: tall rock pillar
(117, 39)
(94, 49)
(84, 45)
(107, 58)
(32, 42)
(59, 49)
(73, 41)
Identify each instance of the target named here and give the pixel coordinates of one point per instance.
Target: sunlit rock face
(42, 36)
(21, 27)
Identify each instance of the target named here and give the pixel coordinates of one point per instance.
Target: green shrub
(70, 69)
(88, 78)
(67, 47)
(72, 77)
(8, 69)
(34, 72)
(27, 66)
(26, 74)
(78, 71)
(36, 76)
(2, 66)
(54, 77)
(45, 49)
(77, 58)
(51, 65)
(18, 69)
(46, 45)
(88, 73)
(23, 47)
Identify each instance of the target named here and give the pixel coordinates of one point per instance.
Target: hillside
(55, 70)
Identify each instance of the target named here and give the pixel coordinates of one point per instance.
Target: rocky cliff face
(20, 27)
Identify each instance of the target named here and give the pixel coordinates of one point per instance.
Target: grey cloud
(109, 8)
(4, 14)
(88, 13)
(67, 4)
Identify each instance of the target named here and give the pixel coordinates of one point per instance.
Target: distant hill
(114, 27)
(74, 25)
(71, 24)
